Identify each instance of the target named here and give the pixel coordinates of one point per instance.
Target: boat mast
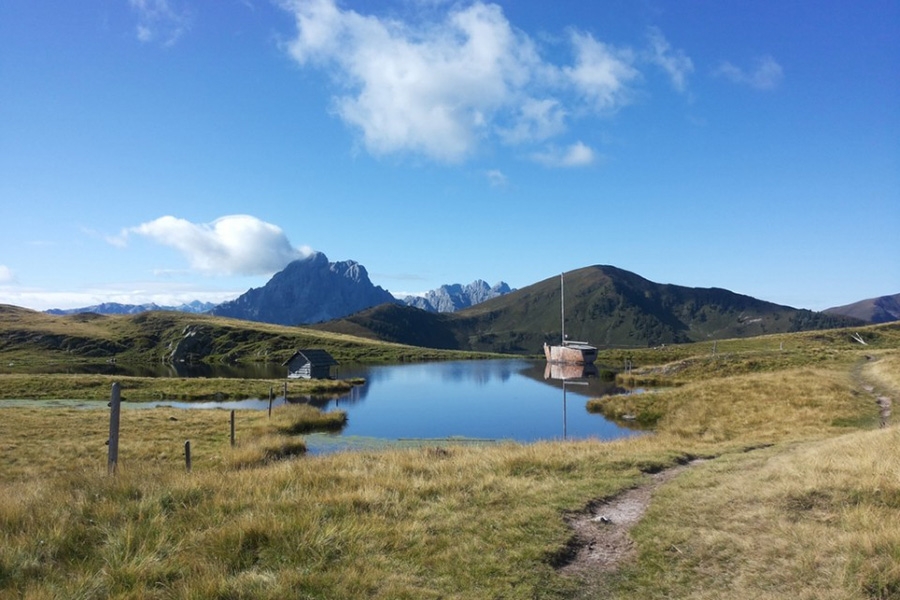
(562, 306)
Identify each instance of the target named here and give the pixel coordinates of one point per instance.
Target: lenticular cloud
(230, 245)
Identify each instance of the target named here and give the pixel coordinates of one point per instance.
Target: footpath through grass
(797, 500)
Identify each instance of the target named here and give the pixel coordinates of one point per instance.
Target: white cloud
(172, 295)
(230, 245)
(576, 155)
(601, 73)
(676, 64)
(160, 20)
(765, 75)
(432, 90)
(6, 275)
(537, 120)
(441, 88)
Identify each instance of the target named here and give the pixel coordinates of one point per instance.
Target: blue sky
(171, 150)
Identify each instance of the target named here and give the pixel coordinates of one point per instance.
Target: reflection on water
(487, 400)
(495, 399)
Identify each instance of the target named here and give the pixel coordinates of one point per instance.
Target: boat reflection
(569, 374)
(567, 371)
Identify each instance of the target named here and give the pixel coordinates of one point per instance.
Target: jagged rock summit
(454, 297)
(308, 290)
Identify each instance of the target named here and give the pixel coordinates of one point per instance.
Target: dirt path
(601, 541)
(883, 401)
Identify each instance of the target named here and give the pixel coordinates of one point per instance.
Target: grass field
(797, 497)
(97, 387)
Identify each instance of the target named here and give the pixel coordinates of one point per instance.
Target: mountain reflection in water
(484, 399)
(514, 399)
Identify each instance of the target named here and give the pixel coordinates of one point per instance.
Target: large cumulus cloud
(230, 245)
(441, 87)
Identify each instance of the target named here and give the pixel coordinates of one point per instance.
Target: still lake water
(406, 404)
(483, 400)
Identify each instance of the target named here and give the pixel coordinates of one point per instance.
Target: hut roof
(315, 356)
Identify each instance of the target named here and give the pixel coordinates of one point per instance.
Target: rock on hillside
(308, 290)
(454, 297)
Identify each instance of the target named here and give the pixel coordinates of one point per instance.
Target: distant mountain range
(454, 297)
(606, 306)
(312, 290)
(874, 310)
(114, 308)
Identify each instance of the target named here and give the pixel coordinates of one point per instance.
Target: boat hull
(573, 354)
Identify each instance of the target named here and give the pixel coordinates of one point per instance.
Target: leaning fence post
(187, 455)
(271, 392)
(113, 441)
(232, 429)
(285, 392)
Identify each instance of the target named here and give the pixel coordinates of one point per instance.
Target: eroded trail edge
(601, 540)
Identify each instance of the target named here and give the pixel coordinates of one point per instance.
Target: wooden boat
(569, 352)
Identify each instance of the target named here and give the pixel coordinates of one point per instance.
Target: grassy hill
(606, 306)
(883, 309)
(29, 340)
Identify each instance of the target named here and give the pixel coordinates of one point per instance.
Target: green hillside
(606, 306)
(30, 340)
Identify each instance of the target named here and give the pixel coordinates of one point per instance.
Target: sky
(175, 150)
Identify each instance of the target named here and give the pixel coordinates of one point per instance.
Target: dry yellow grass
(815, 520)
(796, 502)
(885, 372)
(750, 409)
(43, 442)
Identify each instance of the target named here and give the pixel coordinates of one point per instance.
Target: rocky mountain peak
(455, 296)
(308, 290)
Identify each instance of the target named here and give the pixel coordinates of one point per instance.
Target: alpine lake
(473, 401)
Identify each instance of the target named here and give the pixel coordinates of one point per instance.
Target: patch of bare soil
(884, 402)
(884, 405)
(601, 541)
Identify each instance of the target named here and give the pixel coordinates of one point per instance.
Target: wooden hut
(310, 364)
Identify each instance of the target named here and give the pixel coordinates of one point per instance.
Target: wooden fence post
(285, 392)
(113, 441)
(232, 429)
(187, 455)
(271, 392)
